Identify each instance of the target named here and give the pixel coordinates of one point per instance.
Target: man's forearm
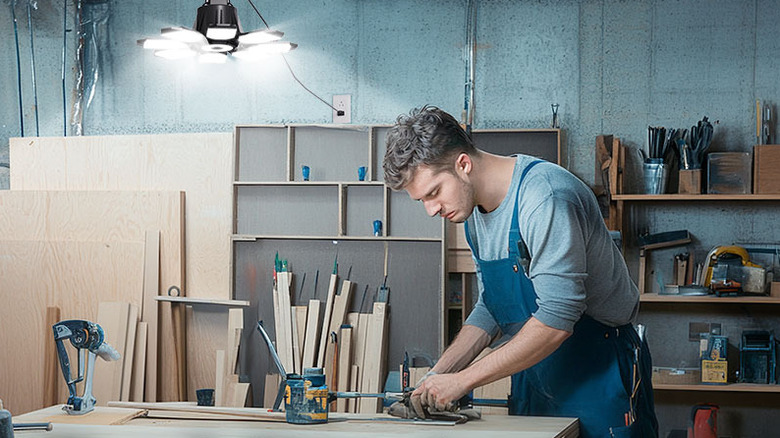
(534, 342)
(467, 345)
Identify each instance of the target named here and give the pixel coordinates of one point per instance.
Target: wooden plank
(52, 377)
(107, 378)
(239, 395)
(219, 378)
(299, 328)
(271, 389)
(101, 416)
(234, 331)
(337, 318)
(128, 357)
(360, 344)
(345, 359)
(198, 164)
(284, 339)
(139, 363)
(312, 334)
(248, 413)
(179, 328)
(205, 335)
(150, 311)
(324, 335)
(352, 405)
(372, 377)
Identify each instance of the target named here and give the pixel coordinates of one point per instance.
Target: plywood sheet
(74, 276)
(99, 216)
(198, 164)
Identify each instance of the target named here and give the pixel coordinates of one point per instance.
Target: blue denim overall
(591, 376)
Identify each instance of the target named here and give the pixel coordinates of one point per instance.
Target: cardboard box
(774, 289)
(676, 376)
(714, 371)
(766, 169)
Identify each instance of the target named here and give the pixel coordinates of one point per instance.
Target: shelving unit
(311, 222)
(712, 220)
(732, 387)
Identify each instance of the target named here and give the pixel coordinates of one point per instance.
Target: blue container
(306, 397)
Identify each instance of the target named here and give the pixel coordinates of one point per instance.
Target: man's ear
(463, 164)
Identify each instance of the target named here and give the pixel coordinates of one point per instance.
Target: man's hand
(441, 391)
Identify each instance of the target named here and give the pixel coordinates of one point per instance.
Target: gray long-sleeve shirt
(575, 267)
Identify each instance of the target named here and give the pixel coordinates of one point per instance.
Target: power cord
(338, 112)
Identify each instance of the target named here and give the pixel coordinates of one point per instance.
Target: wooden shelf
(733, 387)
(186, 300)
(656, 298)
(251, 238)
(703, 197)
(308, 183)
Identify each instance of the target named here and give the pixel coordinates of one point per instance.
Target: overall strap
(514, 230)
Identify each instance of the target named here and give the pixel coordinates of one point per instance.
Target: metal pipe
(18, 69)
(64, 47)
(32, 426)
(32, 67)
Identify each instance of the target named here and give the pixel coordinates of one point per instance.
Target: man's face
(450, 195)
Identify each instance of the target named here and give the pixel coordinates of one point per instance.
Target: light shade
(217, 32)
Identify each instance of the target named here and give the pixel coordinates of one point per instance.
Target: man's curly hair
(426, 136)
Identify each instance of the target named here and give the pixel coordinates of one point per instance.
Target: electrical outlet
(342, 102)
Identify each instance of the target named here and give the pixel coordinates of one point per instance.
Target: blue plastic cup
(377, 228)
(362, 173)
(305, 172)
(205, 397)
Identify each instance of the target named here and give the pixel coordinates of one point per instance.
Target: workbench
(126, 422)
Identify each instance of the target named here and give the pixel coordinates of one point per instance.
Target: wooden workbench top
(126, 423)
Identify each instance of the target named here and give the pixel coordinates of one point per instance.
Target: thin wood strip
(312, 334)
(255, 413)
(52, 377)
(219, 386)
(323, 344)
(300, 323)
(374, 360)
(150, 311)
(139, 363)
(179, 325)
(338, 317)
(345, 357)
(128, 357)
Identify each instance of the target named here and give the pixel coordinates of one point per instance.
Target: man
(551, 280)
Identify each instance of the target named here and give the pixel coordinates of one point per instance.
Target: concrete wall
(614, 67)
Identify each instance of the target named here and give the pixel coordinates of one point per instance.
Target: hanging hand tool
(384, 292)
(88, 339)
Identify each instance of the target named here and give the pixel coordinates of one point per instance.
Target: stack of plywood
(99, 255)
(71, 251)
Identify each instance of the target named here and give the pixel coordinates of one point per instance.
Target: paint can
(306, 397)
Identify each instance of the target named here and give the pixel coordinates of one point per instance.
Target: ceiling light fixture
(217, 31)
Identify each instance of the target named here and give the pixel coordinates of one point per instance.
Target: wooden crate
(766, 169)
